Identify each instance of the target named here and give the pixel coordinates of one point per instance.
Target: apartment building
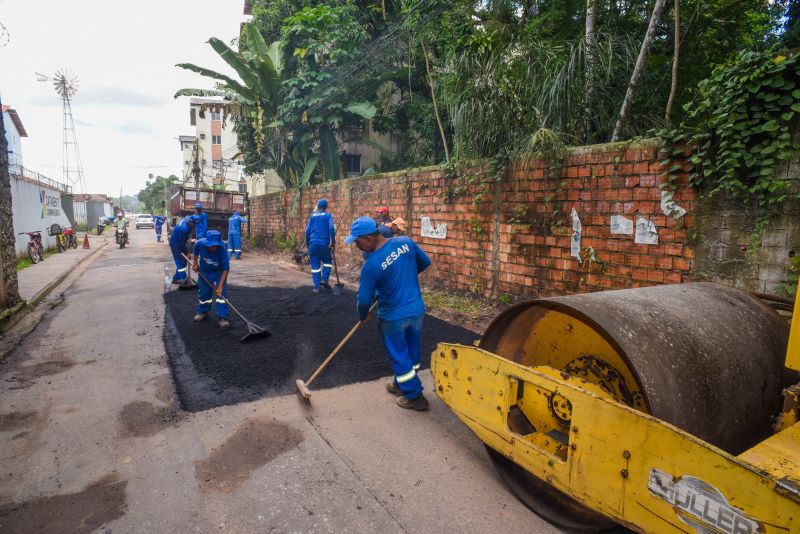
(211, 155)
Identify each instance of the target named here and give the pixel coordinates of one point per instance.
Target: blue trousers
(181, 267)
(403, 342)
(320, 257)
(235, 245)
(206, 295)
(158, 234)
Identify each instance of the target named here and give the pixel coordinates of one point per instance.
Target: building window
(216, 139)
(216, 116)
(353, 164)
(193, 117)
(243, 187)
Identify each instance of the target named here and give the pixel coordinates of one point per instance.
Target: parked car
(144, 220)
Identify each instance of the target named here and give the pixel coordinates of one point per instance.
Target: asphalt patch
(81, 513)
(139, 419)
(211, 367)
(255, 443)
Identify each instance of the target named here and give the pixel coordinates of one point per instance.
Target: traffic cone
(86, 240)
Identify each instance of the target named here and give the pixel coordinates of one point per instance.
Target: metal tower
(66, 85)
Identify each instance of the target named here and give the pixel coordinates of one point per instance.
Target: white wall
(35, 207)
(14, 141)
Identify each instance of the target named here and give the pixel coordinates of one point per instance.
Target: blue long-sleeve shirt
(200, 225)
(320, 230)
(158, 221)
(210, 261)
(180, 234)
(391, 274)
(235, 224)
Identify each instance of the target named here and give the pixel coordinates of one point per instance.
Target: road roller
(662, 409)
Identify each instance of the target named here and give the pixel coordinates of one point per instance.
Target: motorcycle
(121, 237)
(72, 240)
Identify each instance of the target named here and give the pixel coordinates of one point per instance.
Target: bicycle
(35, 248)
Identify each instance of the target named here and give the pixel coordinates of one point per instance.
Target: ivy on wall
(740, 132)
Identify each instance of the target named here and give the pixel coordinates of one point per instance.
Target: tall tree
(589, 49)
(638, 69)
(9, 290)
(675, 62)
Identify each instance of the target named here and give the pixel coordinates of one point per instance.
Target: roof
(91, 198)
(200, 101)
(16, 120)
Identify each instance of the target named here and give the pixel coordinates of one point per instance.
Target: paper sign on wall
(668, 206)
(575, 242)
(646, 233)
(621, 225)
(440, 232)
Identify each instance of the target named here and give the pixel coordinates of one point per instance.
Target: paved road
(91, 437)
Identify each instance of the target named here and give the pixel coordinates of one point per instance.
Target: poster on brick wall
(646, 232)
(440, 232)
(575, 242)
(621, 225)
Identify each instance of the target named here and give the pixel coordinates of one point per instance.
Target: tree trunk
(675, 59)
(433, 98)
(638, 69)
(590, 46)
(9, 292)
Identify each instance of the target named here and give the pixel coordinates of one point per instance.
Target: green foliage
(789, 287)
(286, 241)
(739, 132)
(157, 191)
(22, 263)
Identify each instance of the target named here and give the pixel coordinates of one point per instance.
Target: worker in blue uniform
(211, 259)
(177, 244)
(321, 239)
(391, 274)
(200, 220)
(158, 223)
(235, 234)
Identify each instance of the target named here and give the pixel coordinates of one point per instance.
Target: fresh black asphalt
(211, 367)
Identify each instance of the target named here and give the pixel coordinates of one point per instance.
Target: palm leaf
(230, 82)
(364, 110)
(200, 92)
(235, 60)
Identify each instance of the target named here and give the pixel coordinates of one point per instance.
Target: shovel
(337, 288)
(253, 330)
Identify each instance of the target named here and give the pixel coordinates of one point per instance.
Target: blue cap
(198, 205)
(361, 226)
(322, 203)
(214, 238)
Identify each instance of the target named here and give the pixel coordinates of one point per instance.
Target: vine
(739, 132)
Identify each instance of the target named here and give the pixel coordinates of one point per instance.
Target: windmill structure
(66, 85)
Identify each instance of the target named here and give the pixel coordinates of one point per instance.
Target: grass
(471, 306)
(23, 263)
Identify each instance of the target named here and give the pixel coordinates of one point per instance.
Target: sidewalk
(38, 279)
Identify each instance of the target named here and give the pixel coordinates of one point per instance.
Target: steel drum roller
(704, 357)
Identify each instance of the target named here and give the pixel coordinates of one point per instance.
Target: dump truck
(218, 205)
(671, 408)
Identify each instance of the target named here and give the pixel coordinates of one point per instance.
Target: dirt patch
(81, 512)
(16, 420)
(25, 376)
(139, 419)
(212, 367)
(255, 443)
(163, 388)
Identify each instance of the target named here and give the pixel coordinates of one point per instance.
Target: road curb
(23, 308)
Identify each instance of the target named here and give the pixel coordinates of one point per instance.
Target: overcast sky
(124, 54)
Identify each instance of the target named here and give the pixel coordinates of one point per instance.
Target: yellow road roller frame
(640, 471)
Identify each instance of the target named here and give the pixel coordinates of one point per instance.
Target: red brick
(681, 264)
(672, 278)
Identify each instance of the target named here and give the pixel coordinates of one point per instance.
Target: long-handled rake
(253, 330)
(302, 386)
(337, 288)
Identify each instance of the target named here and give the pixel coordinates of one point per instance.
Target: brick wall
(512, 235)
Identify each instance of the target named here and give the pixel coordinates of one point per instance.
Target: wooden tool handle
(339, 346)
